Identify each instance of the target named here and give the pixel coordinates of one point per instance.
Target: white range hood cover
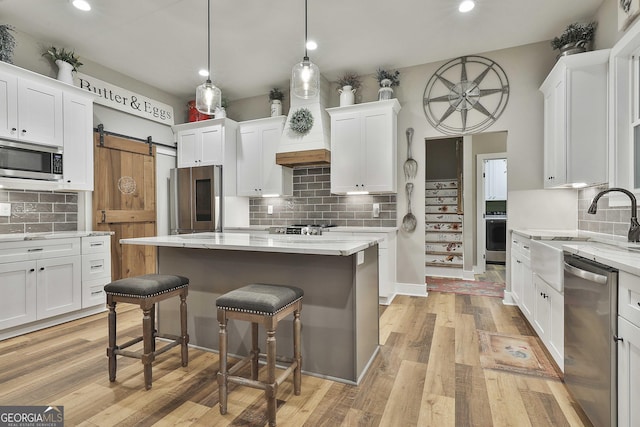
(318, 138)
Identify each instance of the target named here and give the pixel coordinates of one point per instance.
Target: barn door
(124, 201)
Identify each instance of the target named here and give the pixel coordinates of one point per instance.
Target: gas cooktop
(301, 229)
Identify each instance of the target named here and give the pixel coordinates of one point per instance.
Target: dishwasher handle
(587, 275)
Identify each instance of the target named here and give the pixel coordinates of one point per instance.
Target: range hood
(314, 147)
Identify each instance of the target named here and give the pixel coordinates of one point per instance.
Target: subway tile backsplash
(313, 203)
(613, 220)
(39, 211)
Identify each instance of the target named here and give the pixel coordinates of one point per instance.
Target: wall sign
(124, 100)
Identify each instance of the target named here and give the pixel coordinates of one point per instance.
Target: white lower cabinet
(42, 279)
(58, 286)
(18, 288)
(628, 350)
(540, 303)
(44, 282)
(96, 269)
(548, 318)
(386, 261)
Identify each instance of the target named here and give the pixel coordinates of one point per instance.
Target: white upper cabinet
(31, 111)
(575, 120)
(78, 142)
(363, 147)
(257, 171)
(624, 117)
(209, 142)
(495, 179)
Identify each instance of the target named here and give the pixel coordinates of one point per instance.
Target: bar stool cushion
(260, 298)
(145, 286)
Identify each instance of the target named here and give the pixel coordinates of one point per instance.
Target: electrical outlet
(5, 209)
(269, 209)
(376, 210)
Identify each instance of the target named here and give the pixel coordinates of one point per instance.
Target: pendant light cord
(209, 41)
(305, 30)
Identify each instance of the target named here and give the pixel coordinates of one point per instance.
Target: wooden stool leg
(297, 372)
(147, 340)
(112, 341)
(255, 351)
(272, 386)
(183, 328)
(222, 373)
(154, 331)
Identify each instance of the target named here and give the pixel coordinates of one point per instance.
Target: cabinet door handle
(526, 247)
(13, 129)
(638, 303)
(32, 270)
(24, 131)
(618, 339)
(41, 268)
(35, 250)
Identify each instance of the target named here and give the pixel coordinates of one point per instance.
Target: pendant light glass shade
(306, 79)
(305, 76)
(208, 96)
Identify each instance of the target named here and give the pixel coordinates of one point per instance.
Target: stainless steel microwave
(19, 160)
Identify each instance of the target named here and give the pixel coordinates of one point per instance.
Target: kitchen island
(339, 276)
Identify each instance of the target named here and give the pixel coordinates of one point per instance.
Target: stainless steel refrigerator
(196, 199)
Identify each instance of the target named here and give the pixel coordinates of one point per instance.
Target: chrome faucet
(634, 230)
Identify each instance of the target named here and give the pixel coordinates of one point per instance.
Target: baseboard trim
(508, 299)
(411, 289)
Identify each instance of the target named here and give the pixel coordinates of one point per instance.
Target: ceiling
(256, 42)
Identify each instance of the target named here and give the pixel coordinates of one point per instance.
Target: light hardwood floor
(426, 374)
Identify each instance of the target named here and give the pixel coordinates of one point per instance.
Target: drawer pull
(93, 245)
(35, 250)
(95, 293)
(618, 339)
(96, 266)
(526, 247)
(638, 303)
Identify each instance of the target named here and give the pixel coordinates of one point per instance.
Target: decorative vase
(572, 48)
(64, 71)
(385, 91)
(347, 95)
(276, 107)
(220, 112)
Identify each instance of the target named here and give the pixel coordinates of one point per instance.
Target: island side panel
(367, 308)
(329, 338)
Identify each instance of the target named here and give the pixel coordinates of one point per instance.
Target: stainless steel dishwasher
(590, 331)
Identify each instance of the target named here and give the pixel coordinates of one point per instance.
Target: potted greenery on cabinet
(576, 38)
(275, 97)
(347, 86)
(67, 62)
(7, 43)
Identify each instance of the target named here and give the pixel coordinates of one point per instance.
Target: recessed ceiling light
(81, 4)
(204, 73)
(466, 6)
(311, 45)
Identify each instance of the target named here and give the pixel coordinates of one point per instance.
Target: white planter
(276, 108)
(347, 95)
(64, 71)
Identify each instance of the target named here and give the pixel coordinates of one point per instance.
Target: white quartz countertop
(621, 258)
(316, 245)
(16, 237)
(348, 229)
(606, 249)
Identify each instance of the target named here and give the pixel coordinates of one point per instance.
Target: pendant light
(305, 76)
(208, 96)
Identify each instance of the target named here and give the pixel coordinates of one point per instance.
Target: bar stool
(146, 291)
(266, 305)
